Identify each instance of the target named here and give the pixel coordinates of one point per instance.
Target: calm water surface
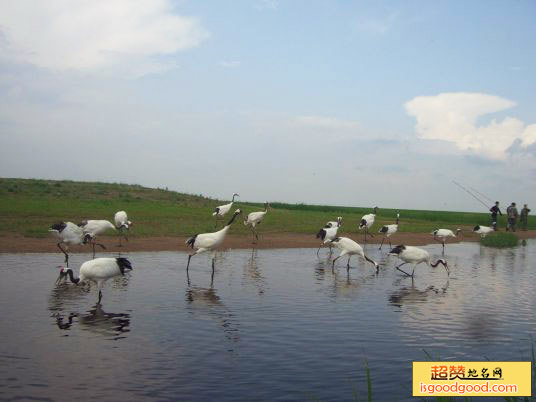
(270, 325)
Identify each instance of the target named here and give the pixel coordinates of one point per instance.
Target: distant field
(28, 207)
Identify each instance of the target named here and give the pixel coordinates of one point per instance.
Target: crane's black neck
(71, 276)
(232, 220)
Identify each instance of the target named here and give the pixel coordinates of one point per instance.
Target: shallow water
(270, 325)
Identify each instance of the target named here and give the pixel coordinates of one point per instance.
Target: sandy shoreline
(20, 244)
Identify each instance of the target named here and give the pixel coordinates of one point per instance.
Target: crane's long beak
(60, 277)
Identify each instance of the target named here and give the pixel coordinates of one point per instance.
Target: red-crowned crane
(69, 234)
(254, 219)
(98, 271)
(93, 228)
(415, 256)
(367, 221)
(389, 230)
(483, 231)
(209, 241)
(122, 224)
(441, 235)
(333, 224)
(219, 212)
(350, 248)
(326, 234)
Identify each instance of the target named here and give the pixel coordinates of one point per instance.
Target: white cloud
(230, 64)
(267, 5)
(95, 35)
(379, 25)
(324, 122)
(453, 117)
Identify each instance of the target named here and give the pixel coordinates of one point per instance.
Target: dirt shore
(19, 244)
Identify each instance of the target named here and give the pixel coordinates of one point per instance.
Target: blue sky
(351, 103)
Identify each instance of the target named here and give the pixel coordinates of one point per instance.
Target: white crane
(93, 228)
(415, 256)
(332, 224)
(483, 231)
(122, 224)
(367, 221)
(327, 235)
(350, 248)
(441, 235)
(388, 231)
(254, 219)
(69, 234)
(209, 241)
(98, 271)
(219, 212)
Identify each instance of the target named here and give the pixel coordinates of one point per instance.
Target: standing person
(511, 213)
(494, 210)
(523, 217)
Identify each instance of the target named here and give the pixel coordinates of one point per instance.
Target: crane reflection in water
(204, 302)
(64, 303)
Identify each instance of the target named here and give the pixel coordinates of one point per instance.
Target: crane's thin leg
(333, 263)
(317, 251)
(398, 267)
(64, 252)
(330, 250)
(100, 296)
(365, 235)
(348, 263)
(256, 235)
(189, 258)
(382, 243)
(390, 245)
(93, 244)
(213, 258)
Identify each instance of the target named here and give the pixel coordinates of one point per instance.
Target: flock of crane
(101, 269)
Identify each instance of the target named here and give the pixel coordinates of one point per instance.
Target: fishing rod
(483, 195)
(471, 194)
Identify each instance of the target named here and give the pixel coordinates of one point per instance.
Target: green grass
(500, 239)
(28, 207)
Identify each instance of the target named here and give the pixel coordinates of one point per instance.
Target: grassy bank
(28, 207)
(500, 240)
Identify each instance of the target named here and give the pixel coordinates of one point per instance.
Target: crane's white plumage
(350, 248)
(121, 220)
(209, 241)
(442, 235)
(219, 212)
(122, 224)
(388, 231)
(255, 218)
(98, 271)
(327, 235)
(93, 228)
(483, 231)
(367, 221)
(69, 234)
(333, 224)
(415, 256)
